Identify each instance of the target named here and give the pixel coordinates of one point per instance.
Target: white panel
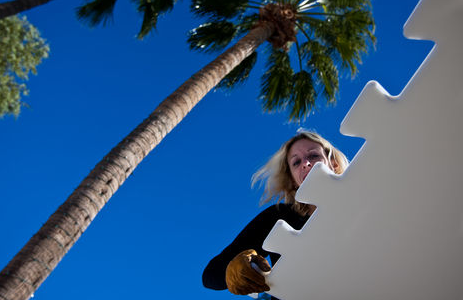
(391, 227)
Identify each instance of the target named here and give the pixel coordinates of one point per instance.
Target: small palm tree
(14, 7)
(334, 34)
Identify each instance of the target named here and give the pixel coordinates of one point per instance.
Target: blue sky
(191, 196)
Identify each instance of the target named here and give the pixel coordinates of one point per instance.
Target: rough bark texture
(15, 7)
(36, 260)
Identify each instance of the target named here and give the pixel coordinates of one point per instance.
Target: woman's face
(302, 155)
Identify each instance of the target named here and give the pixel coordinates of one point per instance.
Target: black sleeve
(251, 237)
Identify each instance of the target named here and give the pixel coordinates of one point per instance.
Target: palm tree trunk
(17, 6)
(31, 266)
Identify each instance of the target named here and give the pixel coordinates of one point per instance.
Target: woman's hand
(242, 278)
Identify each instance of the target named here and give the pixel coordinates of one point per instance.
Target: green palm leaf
(303, 96)
(96, 12)
(348, 34)
(351, 39)
(212, 36)
(276, 89)
(151, 10)
(321, 66)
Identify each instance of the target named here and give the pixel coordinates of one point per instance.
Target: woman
(283, 173)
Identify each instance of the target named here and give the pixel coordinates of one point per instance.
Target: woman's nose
(306, 164)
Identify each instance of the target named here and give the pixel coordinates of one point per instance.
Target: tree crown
(21, 50)
(313, 41)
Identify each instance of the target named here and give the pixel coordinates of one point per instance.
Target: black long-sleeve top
(251, 237)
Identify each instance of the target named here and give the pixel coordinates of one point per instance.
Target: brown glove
(241, 278)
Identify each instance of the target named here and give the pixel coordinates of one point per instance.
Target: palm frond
(322, 67)
(303, 96)
(239, 74)
(225, 9)
(353, 36)
(276, 89)
(212, 36)
(349, 35)
(96, 12)
(151, 10)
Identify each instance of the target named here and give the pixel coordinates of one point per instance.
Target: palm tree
(336, 32)
(17, 6)
(329, 36)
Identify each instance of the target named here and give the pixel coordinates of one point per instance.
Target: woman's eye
(296, 163)
(313, 156)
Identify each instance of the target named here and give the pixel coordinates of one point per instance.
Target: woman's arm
(251, 237)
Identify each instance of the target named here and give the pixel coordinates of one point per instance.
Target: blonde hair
(279, 183)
